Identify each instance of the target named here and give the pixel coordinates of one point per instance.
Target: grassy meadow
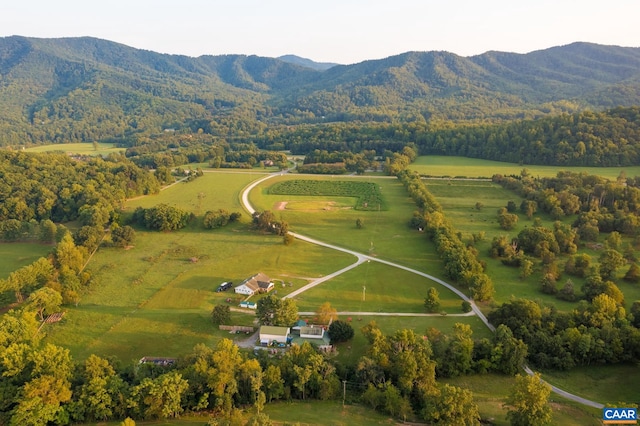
(153, 300)
(385, 233)
(86, 148)
(387, 289)
(16, 255)
(610, 384)
(438, 165)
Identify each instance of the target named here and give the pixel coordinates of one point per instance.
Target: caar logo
(619, 416)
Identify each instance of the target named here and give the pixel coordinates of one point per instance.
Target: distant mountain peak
(307, 63)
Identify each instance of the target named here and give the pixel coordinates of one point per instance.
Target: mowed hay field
(383, 288)
(16, 255)
(103, 149)
(438, 165)
(386, 233)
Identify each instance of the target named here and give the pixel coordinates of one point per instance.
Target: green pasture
(211, 191)
(491, 390)
(608, 384)
(385, 233)
(438, 165)
(16, 255)
(154, 300)
(325, 413)
(386, 289)
(86, 148)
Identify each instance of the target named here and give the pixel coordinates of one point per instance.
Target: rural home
(268, 334)
(258, 283)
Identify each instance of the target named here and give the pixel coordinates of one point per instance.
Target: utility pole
(344, 392)
(364, 289)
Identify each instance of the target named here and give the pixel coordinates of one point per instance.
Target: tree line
(460, 261)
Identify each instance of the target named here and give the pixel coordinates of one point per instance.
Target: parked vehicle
(224, 286)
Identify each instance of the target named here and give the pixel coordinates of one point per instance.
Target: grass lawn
(387, 289)
(325, 413)
(438, 165)
(86, 148)
(608, 384)
(16, 255)
(491, 390)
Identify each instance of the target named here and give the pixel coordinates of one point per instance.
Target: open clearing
(16, 255)
(103, 149)
(437, 165)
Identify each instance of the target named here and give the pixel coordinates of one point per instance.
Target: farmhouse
(258, 283)
(269, 334)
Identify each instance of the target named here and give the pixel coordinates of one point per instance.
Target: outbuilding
(270, 334)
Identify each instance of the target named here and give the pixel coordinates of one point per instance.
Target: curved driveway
(361, 258)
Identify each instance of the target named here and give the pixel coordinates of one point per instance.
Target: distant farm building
(258, 283)
(157, 360)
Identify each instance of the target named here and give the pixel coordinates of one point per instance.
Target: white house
(258, 283)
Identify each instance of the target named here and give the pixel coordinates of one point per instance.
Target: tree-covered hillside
(86, 89)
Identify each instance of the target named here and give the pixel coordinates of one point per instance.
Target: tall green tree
(528, 402)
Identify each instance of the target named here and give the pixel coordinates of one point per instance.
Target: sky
(340, 31)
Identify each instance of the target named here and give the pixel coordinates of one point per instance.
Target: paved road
(394, 314)
(361, 257)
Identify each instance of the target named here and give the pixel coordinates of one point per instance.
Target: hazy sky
(343, 31)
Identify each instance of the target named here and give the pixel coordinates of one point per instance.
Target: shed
(268, 334)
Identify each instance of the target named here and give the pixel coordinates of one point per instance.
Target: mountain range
(85, 89)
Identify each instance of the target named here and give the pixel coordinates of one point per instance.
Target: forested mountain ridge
(86, 89)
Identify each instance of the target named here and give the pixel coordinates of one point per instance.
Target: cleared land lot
(438, 165)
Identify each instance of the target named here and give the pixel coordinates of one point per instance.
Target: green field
(16, 255)
(366, 194)
(152, 300)
(211, 191)
(385, 234)
(325, 413)
(437, 165)
(103, 149)
(609, 384)
(386, 289)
